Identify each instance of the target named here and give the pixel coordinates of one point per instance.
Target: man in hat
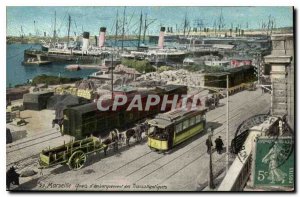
(209, 144)
(219, 144)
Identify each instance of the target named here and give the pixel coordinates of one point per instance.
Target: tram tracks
(36, 137)
(140, 157)
(184, 153)
(141, 167)
(200, 157)
(29, 152)
(123, 165)
(33, 140)
(33, 144)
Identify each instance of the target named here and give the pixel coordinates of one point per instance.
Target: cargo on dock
(36, 100)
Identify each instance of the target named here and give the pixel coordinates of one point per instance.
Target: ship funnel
(85, 41)
(102, 36)
(161, 38)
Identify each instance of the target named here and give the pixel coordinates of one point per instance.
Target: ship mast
(221, 21)
(185, 24)
(145, 29)
(116, 35)
(140, 30)
(54, 31)
(123, 28)
(22, 32)
(146, 26)
(69, 30)
(35, 30)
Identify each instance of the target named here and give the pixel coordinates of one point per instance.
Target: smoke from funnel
(161, 38)
(102, 36)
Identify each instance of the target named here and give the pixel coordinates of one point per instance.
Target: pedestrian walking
(209, 144)
(12, 177)
(138, 133)
(219, 144)
(206, 102)
(262, 90)
(217, 99)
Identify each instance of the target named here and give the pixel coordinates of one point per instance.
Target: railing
(237, 176)
(239, 172)
(243, 176)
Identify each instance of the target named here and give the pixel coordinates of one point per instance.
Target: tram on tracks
(174, 127)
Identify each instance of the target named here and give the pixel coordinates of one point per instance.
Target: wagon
(73, 154)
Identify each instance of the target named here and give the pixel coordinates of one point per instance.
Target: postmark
(272, 129)
(242, 131)
(272, 156)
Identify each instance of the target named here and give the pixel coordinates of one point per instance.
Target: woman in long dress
(273, 157)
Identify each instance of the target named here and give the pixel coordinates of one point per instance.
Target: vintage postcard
(156, 99)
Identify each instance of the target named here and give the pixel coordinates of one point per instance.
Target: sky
(36, 20)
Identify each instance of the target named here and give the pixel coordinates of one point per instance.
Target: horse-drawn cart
(73, 154)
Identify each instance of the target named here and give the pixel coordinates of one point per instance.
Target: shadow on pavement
(27, 186)
(213, 125)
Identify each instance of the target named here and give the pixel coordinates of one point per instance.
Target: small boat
(73, 67)
(36, 61)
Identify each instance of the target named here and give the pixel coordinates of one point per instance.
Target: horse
(112, 138)
(12, 177)
(60, 123)
(128, 134)
(138, 132)
(145, 128)
(135, 132)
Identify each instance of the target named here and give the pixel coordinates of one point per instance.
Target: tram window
(178, 127)
(192, 121)
(198, 118)
(185, 124)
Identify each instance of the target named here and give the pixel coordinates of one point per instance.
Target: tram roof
(229, 71)
(166, 119)
(160, 123)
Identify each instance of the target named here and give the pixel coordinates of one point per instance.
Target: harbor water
(16, 73)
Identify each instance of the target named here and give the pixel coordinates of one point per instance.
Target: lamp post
(112, 76)
(211, 184)
(227, 126)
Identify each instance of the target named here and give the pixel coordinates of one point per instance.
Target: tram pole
(227, 125)
(112, 76)
(211, 184)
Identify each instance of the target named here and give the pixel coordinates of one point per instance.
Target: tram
(174, 127)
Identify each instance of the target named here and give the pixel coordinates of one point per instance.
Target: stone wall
(282, 76)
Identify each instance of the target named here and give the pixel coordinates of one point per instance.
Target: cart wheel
(77, 160)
